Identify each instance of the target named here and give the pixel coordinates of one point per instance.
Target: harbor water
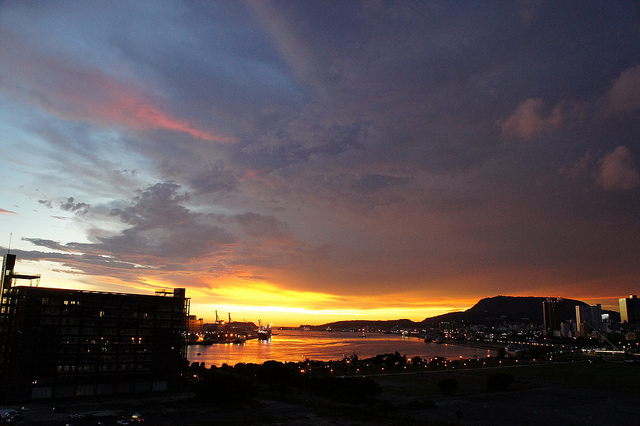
(298, 345)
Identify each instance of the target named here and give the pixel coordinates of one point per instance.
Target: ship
(264, 331)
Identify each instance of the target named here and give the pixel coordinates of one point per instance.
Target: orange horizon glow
(252, 301)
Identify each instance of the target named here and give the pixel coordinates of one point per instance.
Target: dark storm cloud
(78, 208)
(162, 230)
(186, 240)
(156, 205)
(162, 226)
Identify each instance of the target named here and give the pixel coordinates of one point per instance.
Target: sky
(307, 162)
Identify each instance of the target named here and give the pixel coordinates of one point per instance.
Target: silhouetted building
(60, 343)
(552, 313)
(588, 319)
(630, 309)
(567, 329)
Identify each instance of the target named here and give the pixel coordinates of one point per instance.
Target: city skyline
(310, 162)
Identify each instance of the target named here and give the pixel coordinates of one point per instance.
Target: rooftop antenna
(9, 249)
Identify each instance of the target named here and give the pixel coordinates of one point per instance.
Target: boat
(264, 332)
(434, 339)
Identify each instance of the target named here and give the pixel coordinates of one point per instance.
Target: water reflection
(296, 345)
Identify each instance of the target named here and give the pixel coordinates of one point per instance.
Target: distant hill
(510, 309)
(488, 311)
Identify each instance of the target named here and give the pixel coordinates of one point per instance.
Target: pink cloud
(528, 120)
(3, 211)
(125, 105)
(624, 95)
(618, 171)
(138, 113)
(91, 95)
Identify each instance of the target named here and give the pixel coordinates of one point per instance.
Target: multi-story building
(195, 325)
(60, 343)
(567, 329)
(552, 314)
(588, 319)
(630, 309)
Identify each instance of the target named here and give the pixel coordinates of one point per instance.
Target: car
(10, 415)
(137, 418)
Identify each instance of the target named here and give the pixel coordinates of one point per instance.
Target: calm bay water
(297, 345)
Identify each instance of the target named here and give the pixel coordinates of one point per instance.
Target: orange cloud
(3, 211)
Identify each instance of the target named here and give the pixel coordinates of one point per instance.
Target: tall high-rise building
(61, 343)
(553, 309)
(588, 319)
(630, 309)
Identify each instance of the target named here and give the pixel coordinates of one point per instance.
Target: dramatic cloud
(376, 155)
(162, 226)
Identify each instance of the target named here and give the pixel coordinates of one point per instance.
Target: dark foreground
(567, 393)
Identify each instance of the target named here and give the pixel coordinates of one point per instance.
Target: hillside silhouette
(488, 311)
(509, 309)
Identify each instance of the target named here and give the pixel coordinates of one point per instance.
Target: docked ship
(264, 331)
(226, 332)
